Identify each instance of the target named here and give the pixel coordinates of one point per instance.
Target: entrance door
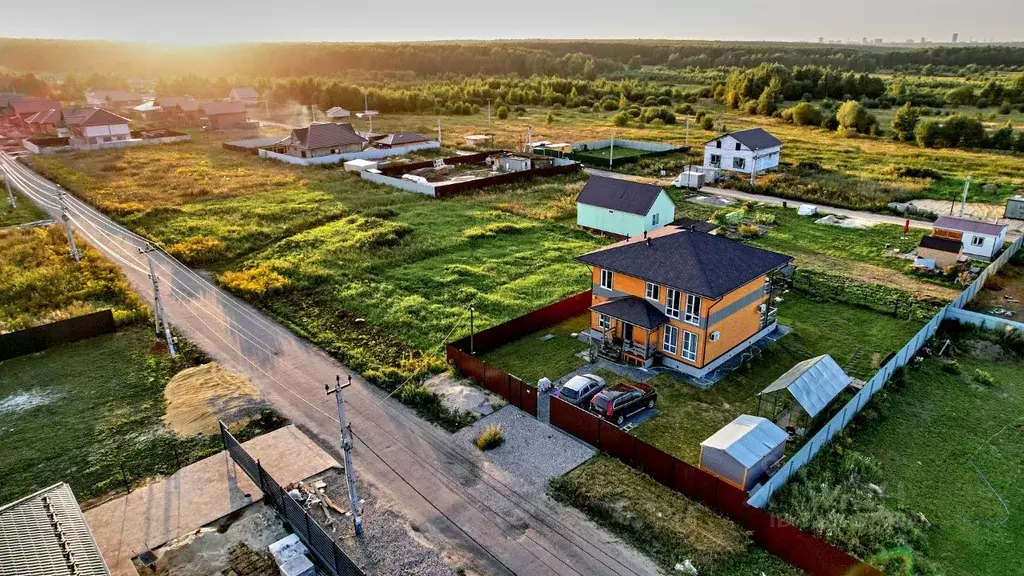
(627, 333)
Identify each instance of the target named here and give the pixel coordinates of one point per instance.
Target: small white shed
(358, 165)
(743, 451)
(338, 112)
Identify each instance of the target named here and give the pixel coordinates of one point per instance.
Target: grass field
(25, 212)
(531, 359)
(931, 444)
(662, 523)
(42, 284)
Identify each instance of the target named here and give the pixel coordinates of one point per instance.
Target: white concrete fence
(105, 145)
(838, 422)
(400, 183)
(370, 154)
(635, 144)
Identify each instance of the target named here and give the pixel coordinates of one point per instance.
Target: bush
(707, 123)
(620, 119)
(502, 112)
(853, 116)
(491, 437)
(951, 367)
(749, 230)
(982, 377)
(198, 250)
(764, 218)
(750, 107)
(254, 282)
(550, 119)
(805, 114)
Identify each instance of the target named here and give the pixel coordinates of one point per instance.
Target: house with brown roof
(680, 299)
(94, 125)
(112, 99)
(246, 95)
(223, 115)
(322, 139)
(21, 110)
(399, 139)
(45, 122)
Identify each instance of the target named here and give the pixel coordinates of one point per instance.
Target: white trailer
(691, 179)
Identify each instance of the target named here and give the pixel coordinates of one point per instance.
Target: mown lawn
(25, 212)
(531, 358)
(930, 444)
(857, 338)
(662, 523)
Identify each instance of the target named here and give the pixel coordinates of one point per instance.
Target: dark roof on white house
(969, 225)
(325, 135)
(45, 534)
(697, 263)
(621, 195)
(401, 139)
(941, 244)
(753, 138)
(633, 310)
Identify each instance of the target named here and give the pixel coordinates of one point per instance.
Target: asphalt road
(472, 511)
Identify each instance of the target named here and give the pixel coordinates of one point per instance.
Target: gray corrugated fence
(856, 404)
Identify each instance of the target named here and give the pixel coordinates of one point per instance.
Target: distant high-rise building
(878, 41)
(955, 35)
(923, 41)
(864, 40)
(821, 39)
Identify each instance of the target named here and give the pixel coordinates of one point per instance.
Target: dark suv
(624, 400)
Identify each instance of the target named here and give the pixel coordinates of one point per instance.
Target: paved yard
(197, 495)
(533, 452)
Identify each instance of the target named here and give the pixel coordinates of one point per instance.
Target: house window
(718, 143)
(670, 343)
(977, 241)
(739, 163)
(606, 279)
(654, 219)
(689, 346)
(604, 322)
(716, 160)
(653, 292)
(692, 315)
(738, 147)
(672, 303)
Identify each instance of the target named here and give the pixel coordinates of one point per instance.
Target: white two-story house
(743, 151)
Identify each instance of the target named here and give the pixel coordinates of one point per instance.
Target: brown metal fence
(38, 338)
(809, 553)
(321, 544)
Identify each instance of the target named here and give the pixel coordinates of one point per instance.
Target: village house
(622, 207)
(112, 99)
(743, 151)
(223, 115)
(95, 125)
(21, 110)
(399, 139)
(683, 300)
(981, 240)
(246, 95)
(48, 122)
(938, 252)
(321, 139)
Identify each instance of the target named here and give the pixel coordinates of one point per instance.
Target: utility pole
(687, 130)
(611, 154)
(346, 446)
(529, 138)
(439, 129)
(963, 200)
(67, 226)
(488, 112)
(472, 349)
(10, 193)
(159, 314)
(366, 110)
(753, 170)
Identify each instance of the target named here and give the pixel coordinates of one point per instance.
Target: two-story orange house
(681, 299)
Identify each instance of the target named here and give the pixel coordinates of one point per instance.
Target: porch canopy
(633, 310)
(813, 383)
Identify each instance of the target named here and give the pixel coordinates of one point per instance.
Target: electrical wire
(255, 341)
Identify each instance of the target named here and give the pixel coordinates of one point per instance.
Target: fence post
(124, 477)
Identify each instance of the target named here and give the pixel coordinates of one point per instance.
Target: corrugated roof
(244, 92)
(401, 139)
(214, 108)
(693, 262)
(325, 135)
(943, 244)
(747, 439)
(634, 310)
(616, 194)
(51, 116)
(168, 101)
(753, 138)
(813, 383)
(969, 225)
(30, 537)
(33, 105)
(92, 117)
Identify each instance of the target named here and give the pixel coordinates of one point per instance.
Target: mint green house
(622, 207)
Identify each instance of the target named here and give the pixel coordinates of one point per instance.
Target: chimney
(645, 233)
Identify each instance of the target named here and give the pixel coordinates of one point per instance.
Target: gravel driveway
(533, 451)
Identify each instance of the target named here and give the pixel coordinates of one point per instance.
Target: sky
(190, 22)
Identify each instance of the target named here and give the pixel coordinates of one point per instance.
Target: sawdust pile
(200, 396)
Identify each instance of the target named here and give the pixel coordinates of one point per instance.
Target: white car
(580, 389)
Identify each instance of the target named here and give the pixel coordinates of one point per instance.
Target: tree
(1006, 107)
(732, 100)
(502, 112)
(623, 102)
(768, 101)
(805, 114)
(961, 96)
(1018, 142)
(1002, 139)
(904, 123)
(635, 63)
(853, 116)
(620, 119)
(707, 122)
(550, 119)
(929, 134)
(964, 132)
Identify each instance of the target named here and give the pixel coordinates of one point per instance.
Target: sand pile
(198, 397)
